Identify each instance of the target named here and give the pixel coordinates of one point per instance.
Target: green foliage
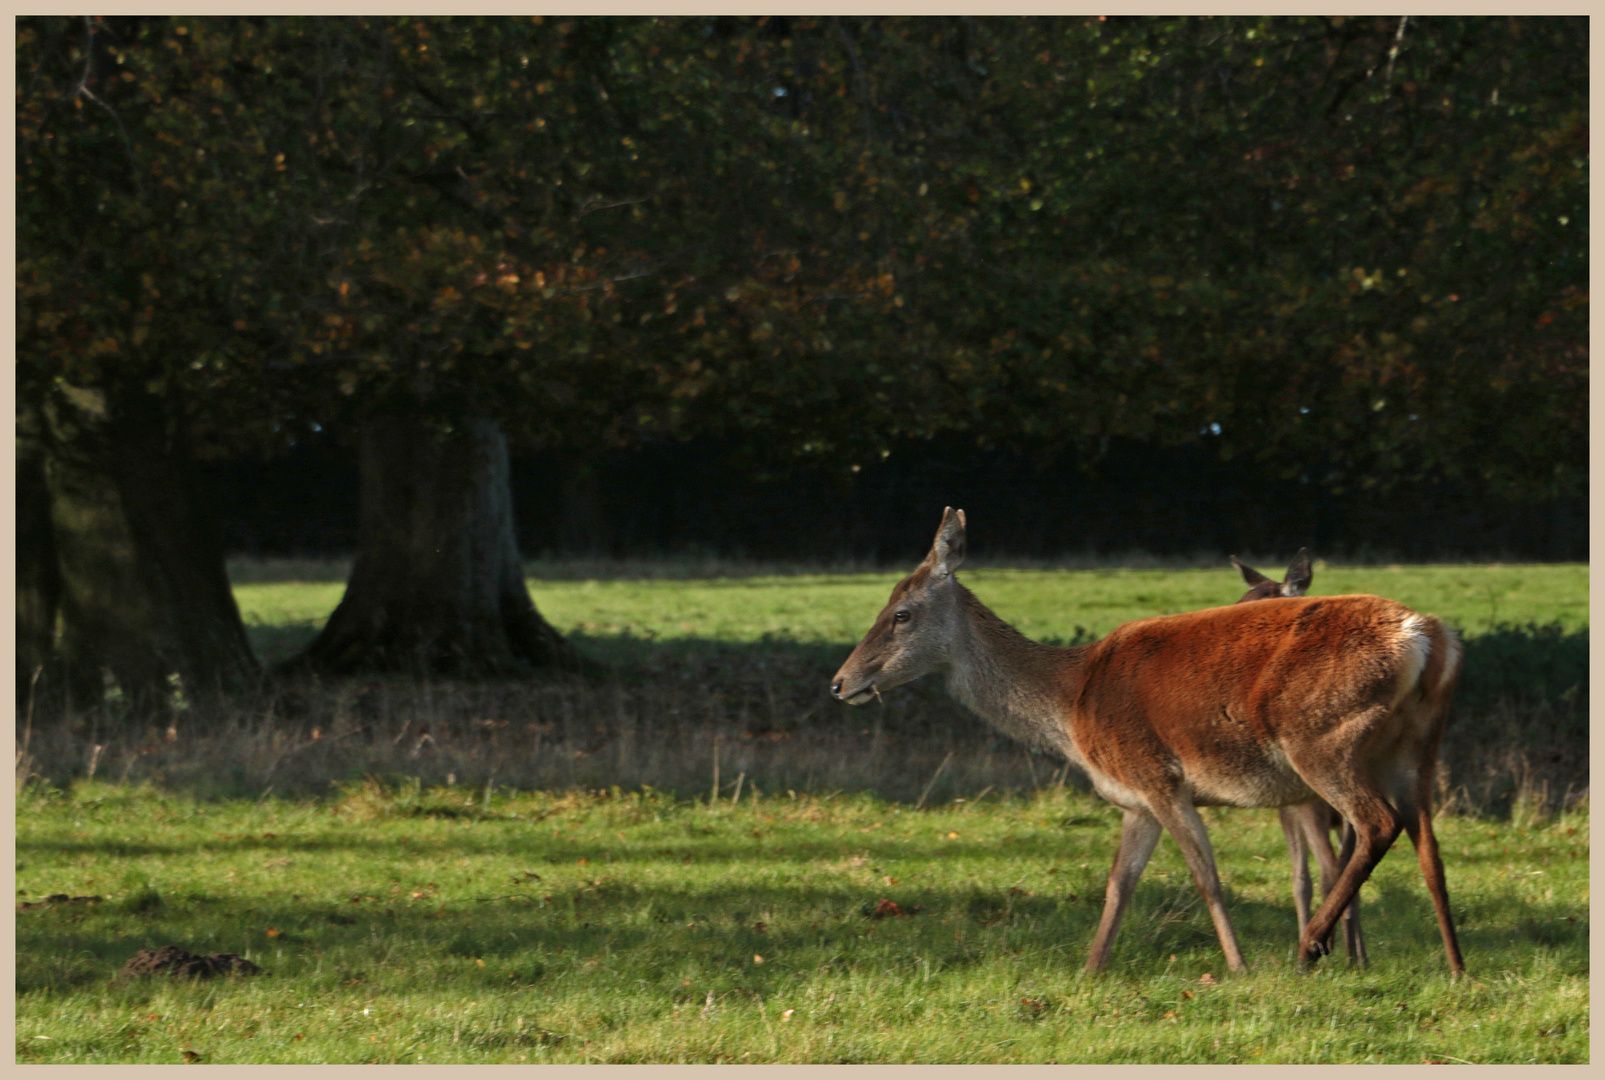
(1352, 250)
(627, 927)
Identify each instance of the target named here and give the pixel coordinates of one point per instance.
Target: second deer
(1308, 826)
(1341, 698)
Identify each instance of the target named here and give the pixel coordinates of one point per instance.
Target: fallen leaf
(788, 1014)
(885, 909)
(1207, 979)
(191, 1057)
(273, 931)
(756, 959)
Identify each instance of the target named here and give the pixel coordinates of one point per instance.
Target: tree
(124, 243)
(472, 232)
(450, 585)
(514, 214)
(1352, 250)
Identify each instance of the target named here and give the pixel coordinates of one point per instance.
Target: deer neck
(1019, 686)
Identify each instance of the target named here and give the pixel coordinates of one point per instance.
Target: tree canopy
(1347, 248)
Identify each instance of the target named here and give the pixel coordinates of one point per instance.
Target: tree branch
(82, 89)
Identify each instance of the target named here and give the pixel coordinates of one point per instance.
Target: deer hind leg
(1182, 820)
(1376, 825)
(1416, 808)
(1293, 829)
(1138, 835)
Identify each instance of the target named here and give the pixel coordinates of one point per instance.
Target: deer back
(1213, 698)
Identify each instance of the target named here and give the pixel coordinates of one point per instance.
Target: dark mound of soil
(55, 899)
(171, 960)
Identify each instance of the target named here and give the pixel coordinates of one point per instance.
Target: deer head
(916, 631)
(1295, 583)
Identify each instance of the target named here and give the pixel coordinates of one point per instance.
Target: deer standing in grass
(1307, 826)
(1341, 698)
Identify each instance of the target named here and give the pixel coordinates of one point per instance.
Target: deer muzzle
(862, 683)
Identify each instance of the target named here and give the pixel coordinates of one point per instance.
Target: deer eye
(901, 616)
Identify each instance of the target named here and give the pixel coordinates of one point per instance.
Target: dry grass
(669, 718)
(559, 734)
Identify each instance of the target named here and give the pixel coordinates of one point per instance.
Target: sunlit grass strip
(1051, 604)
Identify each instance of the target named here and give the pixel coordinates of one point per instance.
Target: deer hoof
(1310, 953)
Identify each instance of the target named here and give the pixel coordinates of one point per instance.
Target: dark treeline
(1157, 283)
(701, 498)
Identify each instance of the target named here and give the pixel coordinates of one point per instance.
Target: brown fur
(1267, 704)
(1307, 827)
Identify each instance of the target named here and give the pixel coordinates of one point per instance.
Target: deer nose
(836, 688)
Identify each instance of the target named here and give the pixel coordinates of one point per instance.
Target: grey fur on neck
(1009, 680)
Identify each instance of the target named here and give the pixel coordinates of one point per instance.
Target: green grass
(399, 925)
(1043, 604)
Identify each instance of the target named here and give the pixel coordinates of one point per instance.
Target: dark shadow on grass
(713, 931)
(534, 848)
(1518, 731)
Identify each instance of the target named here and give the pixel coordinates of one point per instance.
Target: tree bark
(438, 585)
(38, 575)
(143, 589)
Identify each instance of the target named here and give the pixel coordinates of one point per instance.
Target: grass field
(405, 925)
(446, 872)
(1044, 604)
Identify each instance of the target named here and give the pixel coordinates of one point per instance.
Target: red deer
(1307, 827)
(1269, 705)
(1296, 582)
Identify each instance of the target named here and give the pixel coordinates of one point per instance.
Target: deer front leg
(1319, 825)
(1316, 819)
(1139, 832)
(1297, 851)
(1182, 820)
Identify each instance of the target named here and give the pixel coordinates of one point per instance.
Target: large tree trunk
(143, 591)
(438, 585)
(38, 575)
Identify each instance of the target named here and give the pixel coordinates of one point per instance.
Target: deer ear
(947, 551)
(1250, 575)
(1299, 574)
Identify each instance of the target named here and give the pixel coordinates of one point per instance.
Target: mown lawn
(398, 925)
(475, 924)
(1044, 604)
